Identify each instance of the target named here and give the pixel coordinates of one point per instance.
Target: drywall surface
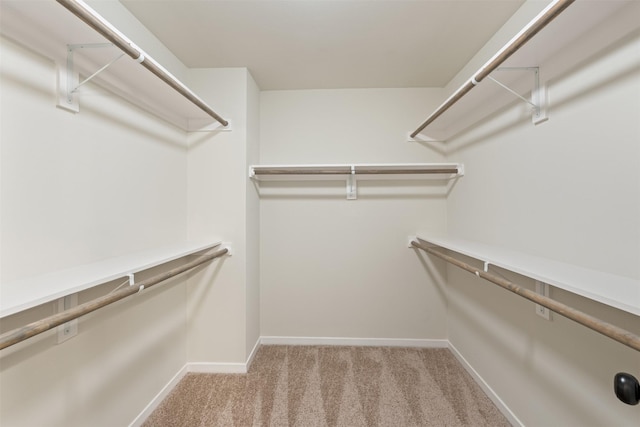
(118, 15)
(332, 267)
(78, 188)
(568, 190)
(219, 196)
(253, 217)
(529, 10)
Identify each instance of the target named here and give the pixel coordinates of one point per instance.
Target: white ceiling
(316, 44)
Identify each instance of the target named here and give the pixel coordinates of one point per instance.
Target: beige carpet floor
(333, 386)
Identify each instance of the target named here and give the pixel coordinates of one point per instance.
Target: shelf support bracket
(538, 93)
(352, 185)
(68, 77)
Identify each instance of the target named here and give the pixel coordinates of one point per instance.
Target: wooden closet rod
(532, 28)
(408, 171)
(346, 170)
(614, 332)
(20, 334)
(95, 21)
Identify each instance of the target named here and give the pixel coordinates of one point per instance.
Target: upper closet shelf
(361, 171)
(616, 291)
(525, 63)
(24, 294)
(353, 172)
(94, 50)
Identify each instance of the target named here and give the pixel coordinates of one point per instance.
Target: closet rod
(20, 334)
(530, 30)
(614, 332)
(95, 21)
(346, 170)
(409, 171)
(357, 171)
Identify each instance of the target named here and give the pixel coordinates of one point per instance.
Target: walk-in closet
(320, 213)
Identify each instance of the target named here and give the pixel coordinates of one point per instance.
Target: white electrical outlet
(542, 289)
(69, 329)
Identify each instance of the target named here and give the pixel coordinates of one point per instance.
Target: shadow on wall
(94, 101)
(563, 356)
(21, 352)
(487, 324)
(204, 279)
(206, 136)
(436, 269)
(561, 70)
(396, 189)
(91, 368)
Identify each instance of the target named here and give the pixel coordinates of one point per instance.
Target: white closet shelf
(334, 172)
(552, 50)
(27, 293)
(616, 291)
(48, 29)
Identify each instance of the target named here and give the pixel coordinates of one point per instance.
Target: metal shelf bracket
(352, 185)
(538, 101)
(69, 79)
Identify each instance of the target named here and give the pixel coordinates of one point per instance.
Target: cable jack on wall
(538, 101)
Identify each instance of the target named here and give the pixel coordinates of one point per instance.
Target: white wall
(529, 10)
(253, 217)
(221, 202)
(117, 14)
(109, 181)
(77, 188)
(568, 190)
(332, 267)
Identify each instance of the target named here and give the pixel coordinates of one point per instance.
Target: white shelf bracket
(538, 101)
(68, 78)
(132, 282)
(542, 289)
(69, 329)
(352, 185)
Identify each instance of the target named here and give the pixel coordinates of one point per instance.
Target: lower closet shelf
(616, 291)
(27, 293)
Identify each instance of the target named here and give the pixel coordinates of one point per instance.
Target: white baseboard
(217, 368)
(205, 367)
(225, 368)
(256, 347)
(364, 342)
(502, 407)
(155, 402)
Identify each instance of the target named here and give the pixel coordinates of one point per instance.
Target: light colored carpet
(333, 386)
